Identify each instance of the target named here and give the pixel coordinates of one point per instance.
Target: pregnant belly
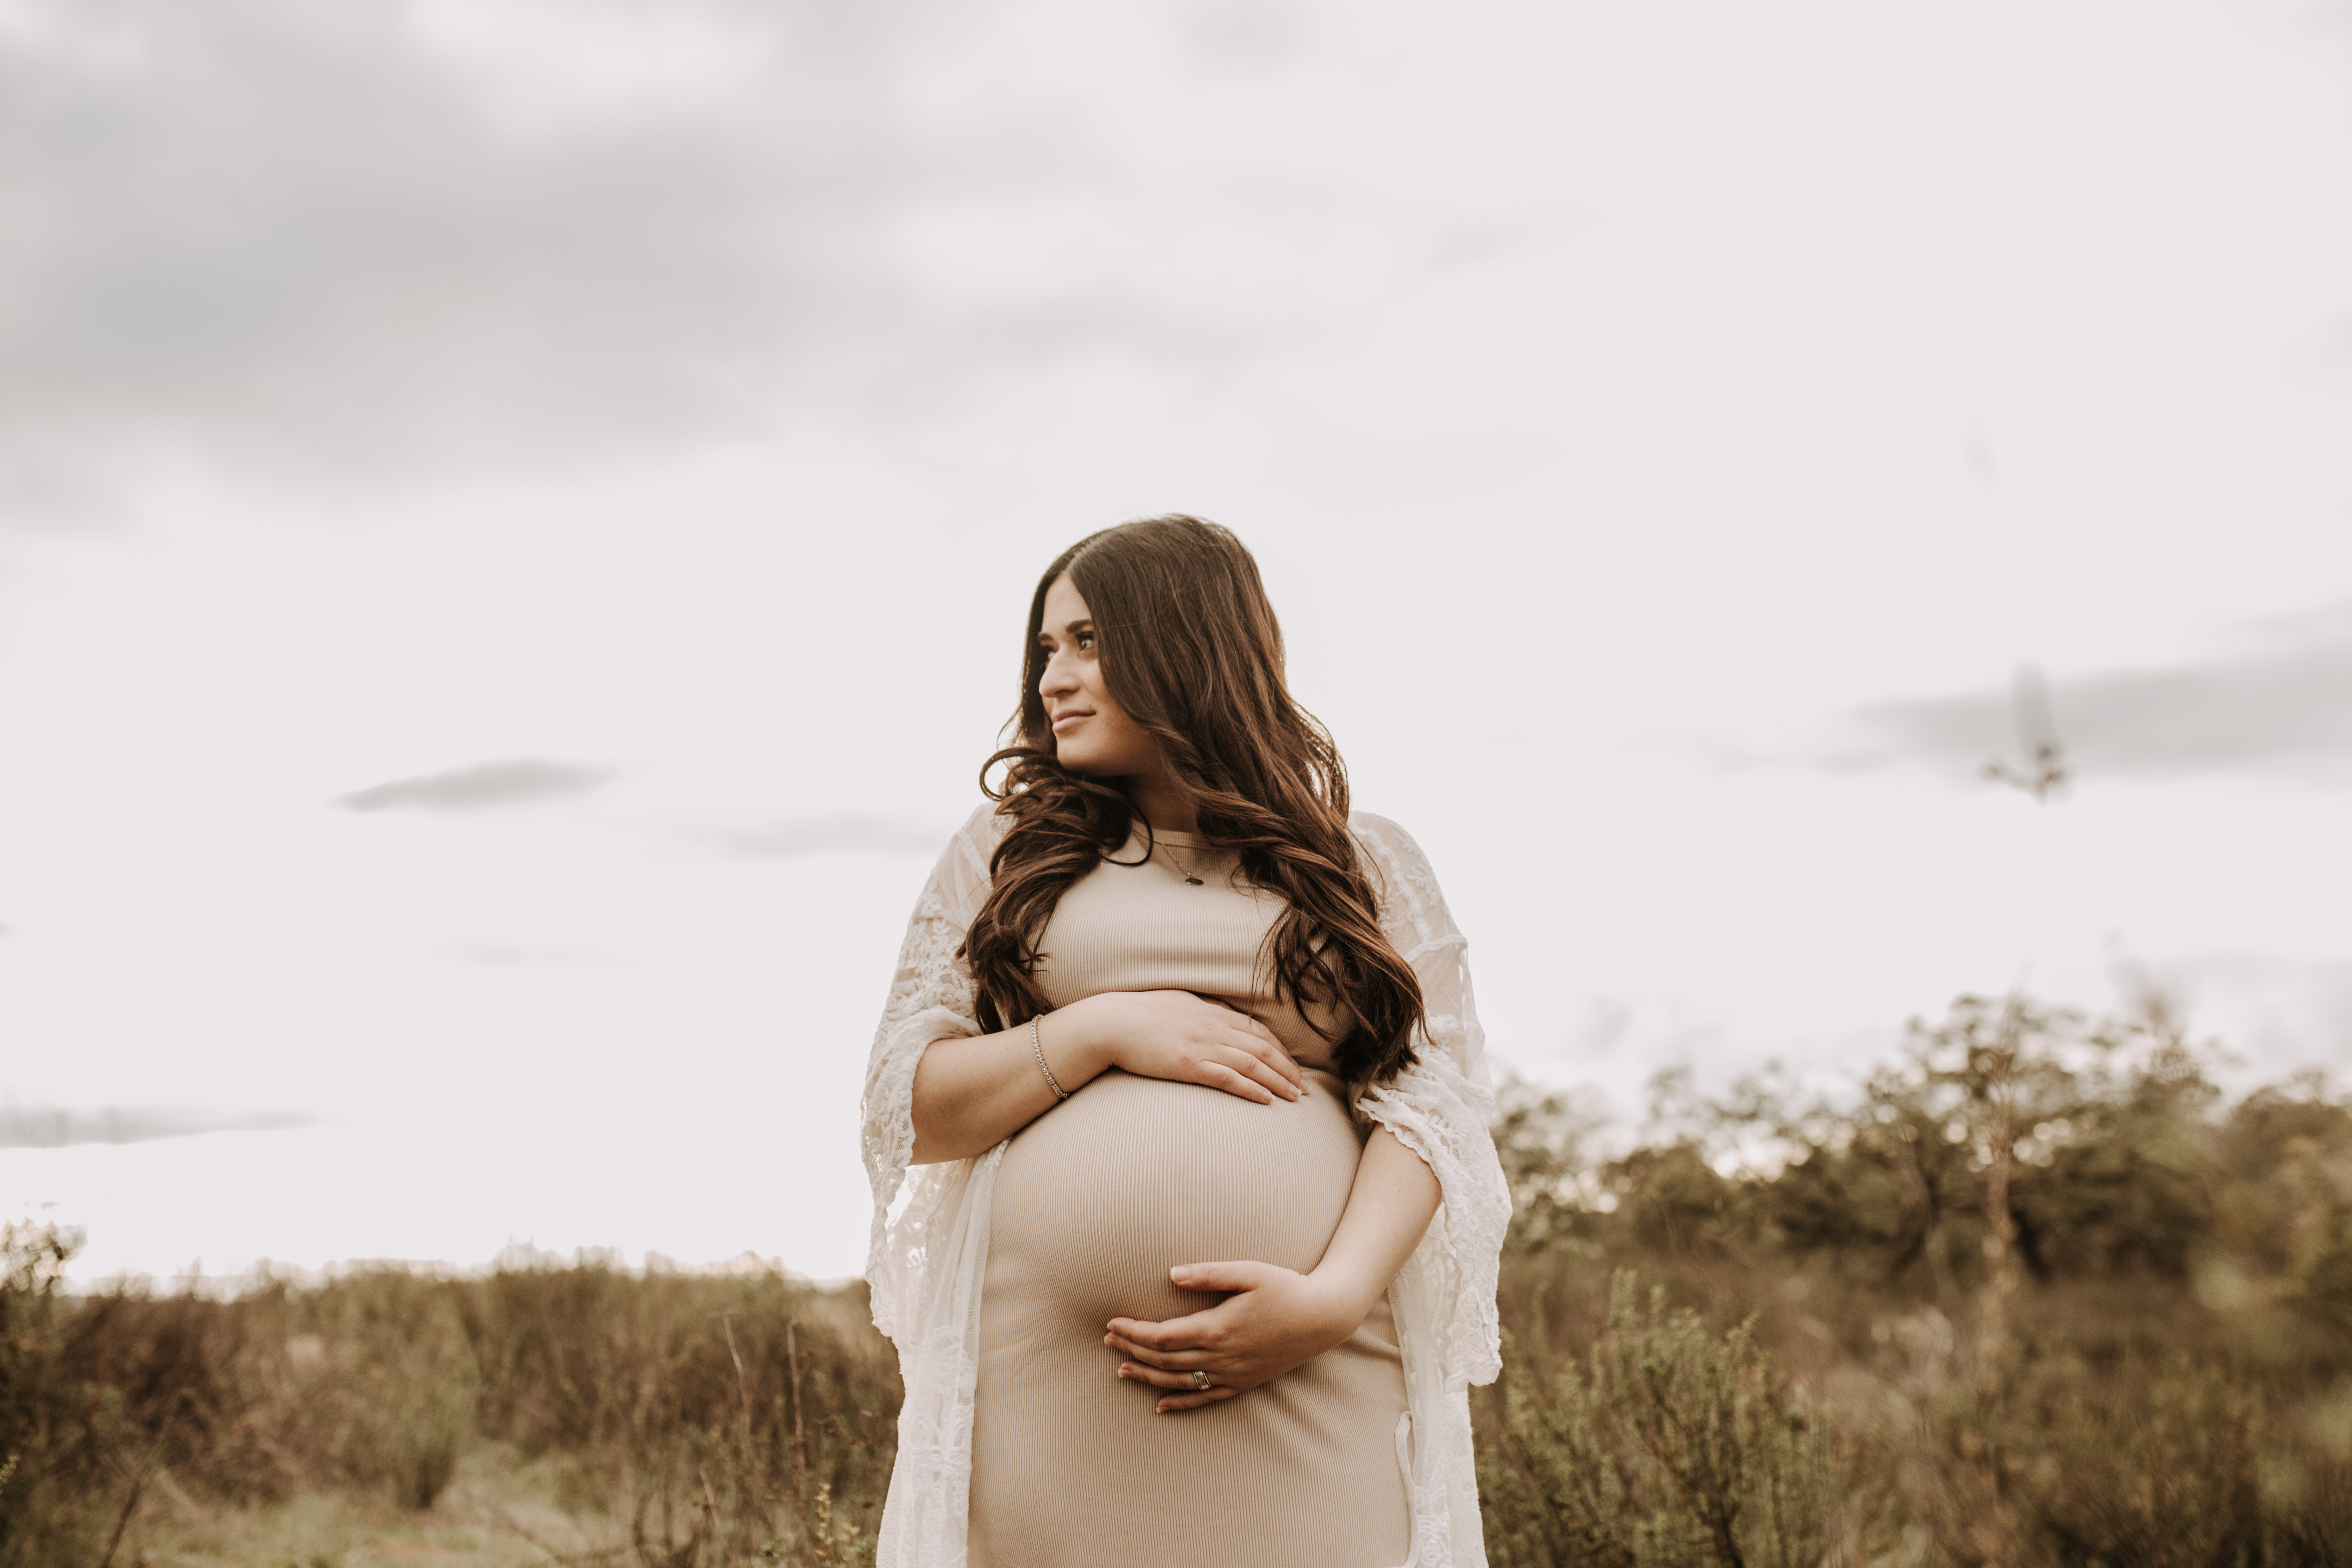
(1095, 1202)
(1099, 1198)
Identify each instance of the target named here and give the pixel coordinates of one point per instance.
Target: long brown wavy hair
(1190, 647)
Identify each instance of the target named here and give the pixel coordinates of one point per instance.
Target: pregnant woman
(1186, 1218)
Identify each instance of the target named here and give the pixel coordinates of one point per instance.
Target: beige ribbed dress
(1096, 1200)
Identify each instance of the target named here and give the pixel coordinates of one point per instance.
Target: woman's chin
(1092, 761)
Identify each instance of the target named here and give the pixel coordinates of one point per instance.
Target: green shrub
(1669, 1447)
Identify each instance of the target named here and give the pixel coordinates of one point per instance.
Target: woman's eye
(1085, 642)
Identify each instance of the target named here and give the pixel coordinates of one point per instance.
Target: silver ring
(1200, 1380)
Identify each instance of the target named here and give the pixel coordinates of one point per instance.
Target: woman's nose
(1057, 677)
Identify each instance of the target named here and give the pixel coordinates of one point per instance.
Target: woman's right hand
(1187, 1038)
(973, 1093)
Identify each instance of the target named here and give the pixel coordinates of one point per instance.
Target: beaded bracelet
(1037, 1046)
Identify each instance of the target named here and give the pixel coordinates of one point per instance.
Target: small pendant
(1195, 882)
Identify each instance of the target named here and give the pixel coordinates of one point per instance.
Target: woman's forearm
(1389, 1209)
(972, 1093)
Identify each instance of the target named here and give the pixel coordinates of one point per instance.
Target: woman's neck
(1167, 809)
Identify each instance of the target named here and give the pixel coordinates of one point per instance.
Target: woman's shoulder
(960, 878)
(986, 824)
(964, 861)
(1401, 874)
(981, 831)
(1386, 835)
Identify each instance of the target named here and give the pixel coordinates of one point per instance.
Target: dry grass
(539, 1413)
(2036, 1297)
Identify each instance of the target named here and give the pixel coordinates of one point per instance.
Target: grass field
(2036, 1295)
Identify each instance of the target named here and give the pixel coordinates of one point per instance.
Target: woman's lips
(1062, 719)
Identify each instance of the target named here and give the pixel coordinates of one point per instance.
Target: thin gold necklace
(1190, 878)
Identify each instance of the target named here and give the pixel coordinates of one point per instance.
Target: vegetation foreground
(2037, 1295)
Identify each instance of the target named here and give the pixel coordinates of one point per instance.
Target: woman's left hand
(1277, 1318)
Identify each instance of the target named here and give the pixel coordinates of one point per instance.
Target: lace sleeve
(931, 998)
(1415, 916)
(1440, 1109)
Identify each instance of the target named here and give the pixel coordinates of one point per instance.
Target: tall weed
(693, 1419)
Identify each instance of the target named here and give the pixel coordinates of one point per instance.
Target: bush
(1670, 1446)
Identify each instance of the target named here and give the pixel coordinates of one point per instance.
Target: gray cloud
(300, 239)
(304, 240)
(2284, 706)
(834, 836)
(58, 1126)
(288, 233)
(525, 780)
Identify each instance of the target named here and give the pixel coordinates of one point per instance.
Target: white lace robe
(930, 1247)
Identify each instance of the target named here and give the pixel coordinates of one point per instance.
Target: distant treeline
(2124, 1161)
(2035, 1293)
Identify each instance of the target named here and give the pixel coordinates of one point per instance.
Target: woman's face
(1092, 734)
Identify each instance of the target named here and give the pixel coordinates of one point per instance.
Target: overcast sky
(516, 517)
